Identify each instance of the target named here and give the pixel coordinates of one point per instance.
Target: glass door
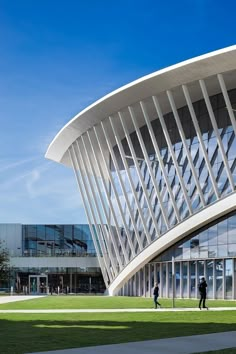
(38, 284)
(33, 284)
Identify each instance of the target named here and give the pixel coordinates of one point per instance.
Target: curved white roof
(185, 72)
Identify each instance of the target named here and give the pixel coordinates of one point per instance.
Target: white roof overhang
(201, 67)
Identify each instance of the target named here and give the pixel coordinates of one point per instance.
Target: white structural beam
(146, 157)
(100, 259)
(101, 241)
(216, 131)
(120, 147)
(227, 101)
(200, 139)
(159, 157)
(171, 150)
(104, 236)
(113, 157)
(105, 187)
(183, 138)
(103, 208)
(116, 194)
(134, 157)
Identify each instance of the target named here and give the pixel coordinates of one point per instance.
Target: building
(155, 163)
(51, 258)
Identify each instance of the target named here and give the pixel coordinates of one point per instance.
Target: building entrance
(38, 284)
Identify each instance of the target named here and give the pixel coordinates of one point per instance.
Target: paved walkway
(118, 310)
(180, 345)
(13, 298)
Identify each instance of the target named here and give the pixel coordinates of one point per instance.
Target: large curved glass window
(217, 240)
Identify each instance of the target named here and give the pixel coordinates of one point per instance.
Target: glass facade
(214, 154)
(191, 264)
(152, 165)
(216, 240)
(57, 240)
(40, 268)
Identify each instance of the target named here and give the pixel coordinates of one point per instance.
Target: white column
(159, 157)
(134, 157)
(106, 236)
(216, 131)
(122, 154)
(146, 157)
(144, 282)
(108, 199)
(150, 279)
(169, 143)
(103, 204)
(116, 195)
(188, 279)
(223, 280)
(181, 280)
(214, 280)
(105, 257)
(227, 101)
(101, 261)
(138, 238)
(161, 280)
(183, 138)
(201, 142)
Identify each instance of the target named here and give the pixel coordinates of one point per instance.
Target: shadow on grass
(29, 336)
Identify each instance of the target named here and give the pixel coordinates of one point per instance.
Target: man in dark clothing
(155, 296)
(202, 290)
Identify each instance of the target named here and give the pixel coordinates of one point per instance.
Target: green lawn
(21, 333)
(102, 302)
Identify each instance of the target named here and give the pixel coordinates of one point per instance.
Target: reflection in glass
(228, 277)
(219, 279)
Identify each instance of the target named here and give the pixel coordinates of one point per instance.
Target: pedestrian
(155, 295)
(202, 290)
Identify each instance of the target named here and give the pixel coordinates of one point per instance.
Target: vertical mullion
(108, 199)
(130, 179)
(214, 125)
(182, 136)
(199, 135)
(100, 259)
(134, 157)
(104, 230)
(227, 101)
(141, 142)
(157, 151)
(163, 124)
(103, 204)
(116, 195)
(122, 187)
(100, 237)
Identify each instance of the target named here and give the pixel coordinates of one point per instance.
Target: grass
(105, 302)
(22, 333)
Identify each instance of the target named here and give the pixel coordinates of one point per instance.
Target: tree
(4, 263)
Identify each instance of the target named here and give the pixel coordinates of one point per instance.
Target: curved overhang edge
(106, 106)
(195, 222)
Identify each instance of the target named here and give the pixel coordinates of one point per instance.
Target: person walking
(202, 290)
(155, 295)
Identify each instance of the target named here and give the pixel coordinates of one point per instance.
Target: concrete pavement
(179, 345)
(13, 298)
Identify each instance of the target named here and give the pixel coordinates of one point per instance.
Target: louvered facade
(155, 163)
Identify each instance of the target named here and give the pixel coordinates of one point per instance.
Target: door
(38, 284)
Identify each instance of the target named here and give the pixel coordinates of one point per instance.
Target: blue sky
(57, 57)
